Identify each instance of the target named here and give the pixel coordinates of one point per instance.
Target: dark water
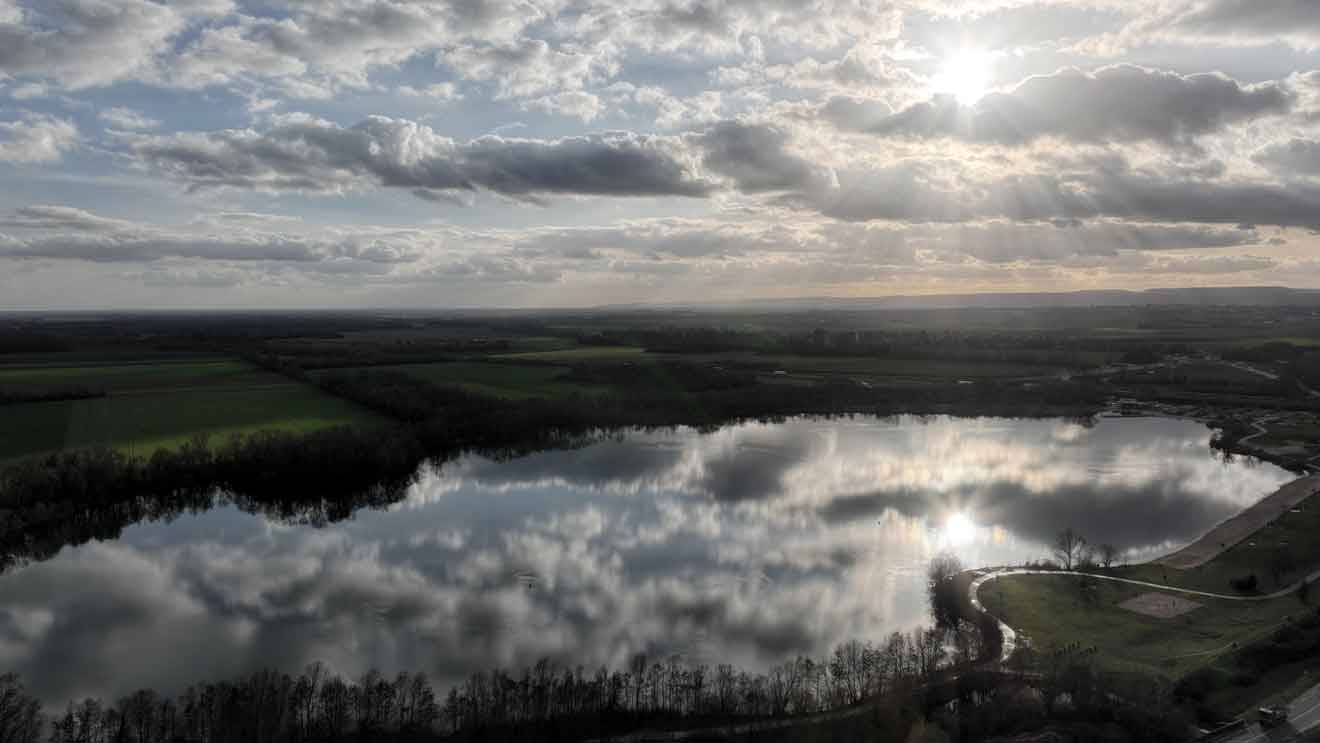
(746, 545)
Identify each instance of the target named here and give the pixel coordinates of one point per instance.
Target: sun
(965, 76)
(959, 529)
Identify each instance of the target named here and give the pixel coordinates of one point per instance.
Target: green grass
(1051, 612)
(508, 381)
(162, 404)
(579, 354)
(145, 375)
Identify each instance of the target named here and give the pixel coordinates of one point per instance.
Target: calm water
(746, 545)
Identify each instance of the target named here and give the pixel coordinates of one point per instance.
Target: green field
(161, 404)
(143, 376)
(579, 355)
(1050, 611)
(873, 368)
(508, 381)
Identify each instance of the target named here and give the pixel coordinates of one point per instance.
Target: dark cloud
(756, 158)
(1246, 21)
(855, 114)
(1120, 103)
(921, 191)
(1171, 512)
(1294, 157)
(300, 153)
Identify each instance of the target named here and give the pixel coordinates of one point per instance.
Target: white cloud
(127, 118)
(36, 138)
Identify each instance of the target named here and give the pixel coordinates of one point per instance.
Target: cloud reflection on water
(743, 545)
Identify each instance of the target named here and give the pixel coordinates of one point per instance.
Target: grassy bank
(1052, 611)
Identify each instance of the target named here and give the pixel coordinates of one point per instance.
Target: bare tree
(1069, 546)
(1108, 555)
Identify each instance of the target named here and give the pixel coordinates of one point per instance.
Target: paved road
(1303, 715)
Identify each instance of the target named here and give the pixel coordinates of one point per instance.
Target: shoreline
(1247, 522)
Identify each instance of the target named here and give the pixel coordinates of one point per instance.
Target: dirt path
(1242, 525)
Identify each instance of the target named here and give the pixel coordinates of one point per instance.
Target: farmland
(506, 381)
(158, 402)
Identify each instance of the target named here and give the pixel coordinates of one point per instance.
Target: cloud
(756, 158)
(56, 217)
(1229, 22)
(127, 118)
(83, 43)
(335, 43)
(943, 191)
(577, 104)
(856, 114)
(1292, 158)
(435, 92)
(304, 154)
(36, 138)
(722, 26)
(65, 233)
(1119, 103)
(1003, 242)
(529, 67)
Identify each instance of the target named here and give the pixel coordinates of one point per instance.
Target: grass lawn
(1051, 612)
(161, 405)
(509, 381)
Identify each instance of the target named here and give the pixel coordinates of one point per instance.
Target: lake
(746, 545)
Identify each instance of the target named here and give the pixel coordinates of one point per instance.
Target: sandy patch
(1159, 605)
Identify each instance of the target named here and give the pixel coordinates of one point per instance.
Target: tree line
(545, 701)
(70, 497)
(907, 683)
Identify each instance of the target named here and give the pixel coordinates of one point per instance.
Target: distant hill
(1276, 296)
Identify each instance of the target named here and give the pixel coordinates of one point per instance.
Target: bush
(1246, 678)
(1245, 584)
(1199, 684)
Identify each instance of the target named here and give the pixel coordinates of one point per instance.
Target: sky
(573, 153)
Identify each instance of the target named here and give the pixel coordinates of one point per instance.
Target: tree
(1108, 555)
(1068, 548)
(943, 590)
(20, 713)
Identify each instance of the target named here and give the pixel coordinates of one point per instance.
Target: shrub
(1244, 584)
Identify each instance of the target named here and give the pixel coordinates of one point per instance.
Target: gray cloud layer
(301, 153)
(1121, 103)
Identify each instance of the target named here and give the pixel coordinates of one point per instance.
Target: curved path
(1010, 637)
